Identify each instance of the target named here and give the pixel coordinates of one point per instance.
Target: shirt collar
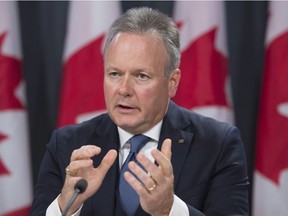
(153, 133)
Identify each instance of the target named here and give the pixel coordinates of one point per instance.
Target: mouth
(125, 108)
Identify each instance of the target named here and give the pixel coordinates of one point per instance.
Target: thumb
(106, 163)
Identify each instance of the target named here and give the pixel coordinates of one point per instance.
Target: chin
(131, 128)
(126, 126)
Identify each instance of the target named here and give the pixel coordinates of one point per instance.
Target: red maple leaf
(10, 77)
(204, 72)
(272, 136)
(3, 169)
(19, 212)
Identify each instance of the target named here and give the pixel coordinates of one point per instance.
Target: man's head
(148, 21)
(141, 57)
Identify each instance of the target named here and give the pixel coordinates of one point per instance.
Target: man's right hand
(81, 166)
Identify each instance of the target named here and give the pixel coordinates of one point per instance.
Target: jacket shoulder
(191, 121)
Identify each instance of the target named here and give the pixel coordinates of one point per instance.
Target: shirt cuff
(179, 207)
(54, 209)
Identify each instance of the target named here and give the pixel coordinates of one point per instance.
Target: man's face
(136, 88)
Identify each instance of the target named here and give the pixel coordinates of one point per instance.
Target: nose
(125, 86)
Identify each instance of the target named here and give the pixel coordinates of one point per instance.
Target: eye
(114, 74)
(142, 76)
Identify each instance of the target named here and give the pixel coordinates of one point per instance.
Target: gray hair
(147, 20)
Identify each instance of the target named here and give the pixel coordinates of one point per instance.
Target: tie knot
(137, 142)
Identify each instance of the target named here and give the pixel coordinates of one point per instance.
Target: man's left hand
(156, 190)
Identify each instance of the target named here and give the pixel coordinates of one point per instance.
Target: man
(191, 165)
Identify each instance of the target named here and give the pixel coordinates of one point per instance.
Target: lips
(125, 108)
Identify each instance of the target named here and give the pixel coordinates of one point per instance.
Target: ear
(174, 80)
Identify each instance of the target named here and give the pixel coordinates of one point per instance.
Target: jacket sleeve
(50, 179)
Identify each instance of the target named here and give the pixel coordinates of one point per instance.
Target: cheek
(108, 93)
(147, 92)
(108, 87)
(153, 96)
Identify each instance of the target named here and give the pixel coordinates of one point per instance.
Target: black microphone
(79, 188)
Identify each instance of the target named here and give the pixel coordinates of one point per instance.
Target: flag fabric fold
(15, 170)
(270, 194)
(82, 94)
(204, 85)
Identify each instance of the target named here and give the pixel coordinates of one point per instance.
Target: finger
(107, 162)
(136, 185)
(163, 162)
(150, 167)
(85, 152)
(141, 174)
(76, 166)
(166, 148)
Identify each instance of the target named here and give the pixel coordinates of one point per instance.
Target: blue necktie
(128, 197)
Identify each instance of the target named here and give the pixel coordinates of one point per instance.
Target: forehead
(131, 46)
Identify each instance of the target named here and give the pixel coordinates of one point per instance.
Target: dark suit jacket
(207, 156)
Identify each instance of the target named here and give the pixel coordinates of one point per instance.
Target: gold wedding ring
(68, 171)
(151, 188)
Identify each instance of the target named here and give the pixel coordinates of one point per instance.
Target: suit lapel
(106, 136)
(173, 127)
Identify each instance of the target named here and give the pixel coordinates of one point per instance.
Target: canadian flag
(82, 94)
(15, 173)
(204, 85)
(270, 195)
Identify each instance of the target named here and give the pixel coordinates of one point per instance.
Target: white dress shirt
(178, 208)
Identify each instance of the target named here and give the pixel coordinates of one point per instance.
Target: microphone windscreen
(81, 185)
